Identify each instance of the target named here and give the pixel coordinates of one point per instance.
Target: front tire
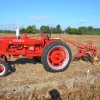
(56, 56)
(4, 68)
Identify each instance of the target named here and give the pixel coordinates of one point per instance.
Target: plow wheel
(3, 68)
(87, 57)
(56, 56)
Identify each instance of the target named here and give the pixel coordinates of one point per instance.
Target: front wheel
(56, 56)
(3, 68)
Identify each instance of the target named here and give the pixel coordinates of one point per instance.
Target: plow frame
(87, 52)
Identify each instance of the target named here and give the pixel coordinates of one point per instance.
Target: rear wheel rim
(2, 69)
(58, 57)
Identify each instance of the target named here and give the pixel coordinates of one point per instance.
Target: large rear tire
(56, 56)
(4, 68)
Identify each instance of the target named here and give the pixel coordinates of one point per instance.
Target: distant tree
(73, 31)
(8, 31)
(22, 30)
(90, 28)
(58, 29)
(34, 29)
(1, 31)
(51, 29)
(83, 30)
(67, 30)
(45, 29)
(97, 31)
(38, 31)
(54, 30)
(31, 29)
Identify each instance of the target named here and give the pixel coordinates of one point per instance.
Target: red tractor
(55, 54)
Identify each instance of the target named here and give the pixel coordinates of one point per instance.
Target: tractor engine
(14, 47)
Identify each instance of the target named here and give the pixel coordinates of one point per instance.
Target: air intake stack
(17, 30)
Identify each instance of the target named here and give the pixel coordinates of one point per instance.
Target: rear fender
(51, 40)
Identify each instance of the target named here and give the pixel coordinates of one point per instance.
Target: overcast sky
(73, 13)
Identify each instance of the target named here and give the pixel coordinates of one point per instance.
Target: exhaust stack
(17, 30)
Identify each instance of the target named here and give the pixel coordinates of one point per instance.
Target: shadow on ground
(12, 64)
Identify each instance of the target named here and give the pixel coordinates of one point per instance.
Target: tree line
(57, 29)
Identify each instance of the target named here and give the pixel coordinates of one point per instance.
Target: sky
(73, 13)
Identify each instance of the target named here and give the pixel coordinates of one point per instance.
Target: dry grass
(84, 91)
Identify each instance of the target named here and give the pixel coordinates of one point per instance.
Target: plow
(86, 52)
(54, 54)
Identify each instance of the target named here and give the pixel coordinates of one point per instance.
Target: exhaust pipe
(17, 30)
